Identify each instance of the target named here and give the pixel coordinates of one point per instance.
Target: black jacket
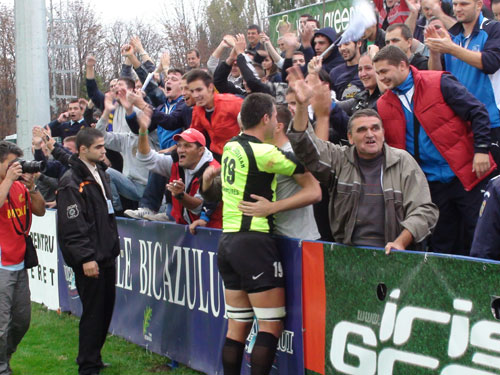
(343, 110)
(334, 58)
(55, 168)
(86, 231)
(66, 129)
(179, 118)
(420, 61)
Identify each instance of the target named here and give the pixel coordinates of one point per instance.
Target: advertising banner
(407, 313)
(170, 296)
(337, 15)
(43, 279)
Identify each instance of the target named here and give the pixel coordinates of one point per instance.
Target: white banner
(44, 278)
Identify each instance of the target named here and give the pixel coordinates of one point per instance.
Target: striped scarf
(111, 116)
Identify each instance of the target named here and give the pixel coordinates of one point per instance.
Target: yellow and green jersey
(248, 167)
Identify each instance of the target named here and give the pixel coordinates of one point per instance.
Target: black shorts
(249, 261)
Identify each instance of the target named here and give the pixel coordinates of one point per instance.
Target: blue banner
(170, 296)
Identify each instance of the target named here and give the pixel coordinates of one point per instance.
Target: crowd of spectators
(388, 141)
(164, 124)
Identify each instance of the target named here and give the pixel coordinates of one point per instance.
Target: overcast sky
(126, 10)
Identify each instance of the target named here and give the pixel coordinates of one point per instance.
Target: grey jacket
(406, 192)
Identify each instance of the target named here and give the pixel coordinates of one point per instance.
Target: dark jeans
(458, 213)
(98, 300)
(153, 195)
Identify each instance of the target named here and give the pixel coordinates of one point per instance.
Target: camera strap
(28, 216)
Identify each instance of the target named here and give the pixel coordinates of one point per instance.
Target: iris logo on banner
(483, 336)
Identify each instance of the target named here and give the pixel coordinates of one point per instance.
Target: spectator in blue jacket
(472, 54)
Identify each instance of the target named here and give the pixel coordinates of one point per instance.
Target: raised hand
(165, 60)
(321, 100)
(241, 44)
(109, 105)
(144, 118)
(296, 81)
(373, 50)
(413, 6)
(90, 61)
(135, 42)
(209, 175)
(264, 38)
(63, 117)
(440, 41)
(127, 50)
(315, 65)
(307, 33)
(229, 41)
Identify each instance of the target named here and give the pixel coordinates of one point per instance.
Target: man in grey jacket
(379, 194)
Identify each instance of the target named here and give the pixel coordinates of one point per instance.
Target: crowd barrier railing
(349, 310)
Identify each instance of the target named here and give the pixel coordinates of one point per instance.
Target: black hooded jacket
(86, 231)
(334, 58)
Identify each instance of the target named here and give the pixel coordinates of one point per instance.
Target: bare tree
(7, 72)
(182, 31)
(229, 17)
(109, 57)
(88, 34)
(151, 39)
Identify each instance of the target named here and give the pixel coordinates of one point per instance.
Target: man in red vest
(214, 114)
(184, 167)
(447, 130)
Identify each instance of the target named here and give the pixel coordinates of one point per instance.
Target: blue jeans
(153, 195)
(121, 185)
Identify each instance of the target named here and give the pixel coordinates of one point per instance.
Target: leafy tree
(277, 6)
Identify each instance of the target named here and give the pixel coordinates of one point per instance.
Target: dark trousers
(458, 213)
(153, 194)
(98, 300)
(495, 145)
(322, 215)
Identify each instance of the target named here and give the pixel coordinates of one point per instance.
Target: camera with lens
(32, 166)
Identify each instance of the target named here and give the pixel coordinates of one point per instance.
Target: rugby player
(248, 258)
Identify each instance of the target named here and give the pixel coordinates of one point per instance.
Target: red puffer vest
(451, 135)
(192, 189)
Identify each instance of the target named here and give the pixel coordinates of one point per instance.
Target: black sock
(232, 355)
(263, 353)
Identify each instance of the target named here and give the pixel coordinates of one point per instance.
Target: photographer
(17, 201)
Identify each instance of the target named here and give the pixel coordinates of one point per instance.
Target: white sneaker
(157, 217)
(139, 213)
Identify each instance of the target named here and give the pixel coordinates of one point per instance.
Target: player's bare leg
(269, 308)
(240, 320)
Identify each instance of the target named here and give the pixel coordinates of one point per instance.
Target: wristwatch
(179, 196)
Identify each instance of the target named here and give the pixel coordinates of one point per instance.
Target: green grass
(51, 346)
